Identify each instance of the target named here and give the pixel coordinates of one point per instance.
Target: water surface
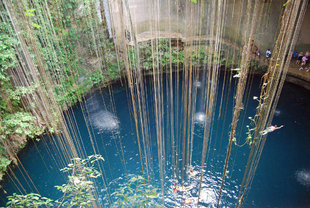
(282, 178)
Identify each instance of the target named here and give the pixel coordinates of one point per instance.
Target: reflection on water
(303, 177)
(277, 112)
(200, 118)
(187, 196)
(99, 118)
(104, 120)
(197, 84)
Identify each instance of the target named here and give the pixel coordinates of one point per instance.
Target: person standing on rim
(268, 54)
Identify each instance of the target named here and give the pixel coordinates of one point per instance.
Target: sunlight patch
(200, 118)
(197, 84)
(277, 112)
(303, 177)
(104, 120)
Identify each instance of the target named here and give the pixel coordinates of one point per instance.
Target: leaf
(194, 1)
(286, 3)
(36, 25)
(152, 196)
(30, 12)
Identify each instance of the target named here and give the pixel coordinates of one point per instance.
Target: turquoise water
(282, 178)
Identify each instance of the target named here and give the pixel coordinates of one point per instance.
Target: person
(179, 189)
(256, 50)
(127, 35)
(176, 188)
(252, 46)
(304, 62)
(295, 55)
(182, 189)
(299, 57)
(268, 54)
(189, 201)
(192, 173)
(308, 58)
(270, 129)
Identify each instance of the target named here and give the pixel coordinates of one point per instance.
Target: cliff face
(173, 18)
(303, 43)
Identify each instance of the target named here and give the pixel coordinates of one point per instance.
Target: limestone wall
(303, 43)
(188, 18)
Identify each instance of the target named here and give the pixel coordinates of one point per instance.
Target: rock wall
(178, 16)
(303, 43)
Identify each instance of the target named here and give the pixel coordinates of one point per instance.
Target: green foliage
(199, 57)
(96, 77)
(15, 95)
(113, 69)
(161, 56)
(36, 26)
(135, 194)
(250, 138)
(112, 64)
(4, 163)
(78, 192)
(29, 200)
(286, 3)
(56, 41)
(7, 53)
(21, 123)
(30, 12)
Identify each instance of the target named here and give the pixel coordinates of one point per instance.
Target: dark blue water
(282, 178)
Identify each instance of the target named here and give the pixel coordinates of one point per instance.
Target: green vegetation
(60, 50)
(53, 53)
(135, 194)
(15, 120)
(77, 192)
(158, 57)
(29, 200)
(20, 123)
(163, 55)
(4, 162)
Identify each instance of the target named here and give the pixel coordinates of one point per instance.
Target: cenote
(282, 177)
(166, 103)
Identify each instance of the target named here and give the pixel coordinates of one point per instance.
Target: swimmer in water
(181, 189)
(193, 173)
(190, 201)
(270, 129)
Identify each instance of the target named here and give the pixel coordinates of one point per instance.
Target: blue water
(282, 178)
